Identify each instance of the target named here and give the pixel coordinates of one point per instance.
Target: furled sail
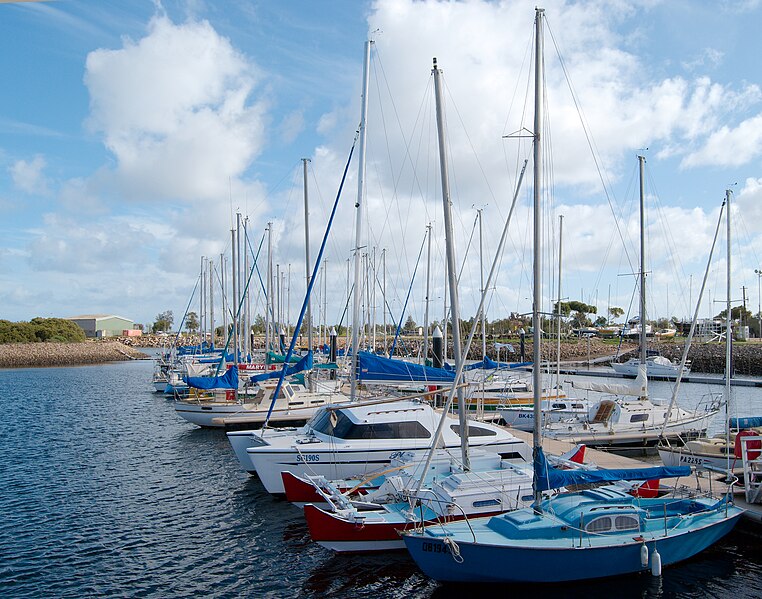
(229, 380)
(374, 368)
(548, 477)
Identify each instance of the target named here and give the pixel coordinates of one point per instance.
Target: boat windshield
(335, 423)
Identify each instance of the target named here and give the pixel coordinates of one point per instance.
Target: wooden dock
(704, 480)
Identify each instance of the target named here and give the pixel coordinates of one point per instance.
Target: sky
(131, 133)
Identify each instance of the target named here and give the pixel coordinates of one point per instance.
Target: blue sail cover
(304, 364)
(548, 477)
(229, 380)
(273, 358)
(746, 422)
(379, 369)
(488, 364)
(184, 350)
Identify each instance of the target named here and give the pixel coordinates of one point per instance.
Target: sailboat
(721, 453)
(625, 415)
(576, 536)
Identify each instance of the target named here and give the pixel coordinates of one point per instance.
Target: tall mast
(223, 298)
(641, 163)
(307, 265)
(383, 294)
(201, 307)
(558, 337)
(268, 286)
(358, 222)
(642, 317)
(239, 297)
(211, 300)
(247, 292)
(728, 332)
(451, 265)
(537, 289)
(481, 285)
(428, 296)
(235, 293)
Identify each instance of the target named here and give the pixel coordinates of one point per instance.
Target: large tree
(191, 322)
(163, 321)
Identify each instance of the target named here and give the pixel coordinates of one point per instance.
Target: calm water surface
(105, 492)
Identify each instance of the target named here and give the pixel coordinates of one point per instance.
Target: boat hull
(520, 563)
(337, 463)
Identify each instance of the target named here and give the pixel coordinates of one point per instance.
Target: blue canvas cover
(548, 477)
(273, 358)
(746, 422)
(304, 364)
(378, 368)
(488, 364)
(229, 380)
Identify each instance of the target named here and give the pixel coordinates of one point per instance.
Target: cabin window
(579, 406)
(558, 406)
(638, 417)
(474, 431)
(626, 523)
(344, 428)
(599, 525)
(486, 503)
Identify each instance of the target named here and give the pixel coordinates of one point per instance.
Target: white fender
(655, 563)
(644, 556)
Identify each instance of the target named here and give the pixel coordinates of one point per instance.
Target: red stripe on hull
(330, 528)
(325, 526)
(299, 490)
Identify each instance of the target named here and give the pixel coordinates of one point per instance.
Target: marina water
(105, 492)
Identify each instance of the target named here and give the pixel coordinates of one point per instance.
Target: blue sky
(131, 131)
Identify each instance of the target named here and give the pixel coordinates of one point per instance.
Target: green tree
(191, 322)
(615, 312)
(163, 321)
(410, 325)
(737, 313)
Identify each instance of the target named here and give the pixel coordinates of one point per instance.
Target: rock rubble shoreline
(705, 357)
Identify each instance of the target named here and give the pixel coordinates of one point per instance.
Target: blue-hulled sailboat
(574, 536)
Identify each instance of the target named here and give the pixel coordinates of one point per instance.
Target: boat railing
(752, 467)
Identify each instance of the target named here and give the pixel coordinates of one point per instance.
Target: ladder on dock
(752, 467)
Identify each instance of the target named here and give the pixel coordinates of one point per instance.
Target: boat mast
(728, 336)
(451, 265)
(234, 312)
(358, 223)
(307, 267)
(270, 291)
(481, 284)
(641, 163)
(223, 298)
(383, 294)
(246, 292)
(428, 293)
(558, 337)
(537, 290)
(211, 301)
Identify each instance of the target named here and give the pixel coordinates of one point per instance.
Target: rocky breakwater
(710, 357)
(17, 355)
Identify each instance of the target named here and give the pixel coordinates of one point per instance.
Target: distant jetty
(20, 355)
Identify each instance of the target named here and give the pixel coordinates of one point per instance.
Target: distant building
(102, 325)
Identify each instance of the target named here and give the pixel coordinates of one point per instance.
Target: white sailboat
(574, 536)
(625, 414)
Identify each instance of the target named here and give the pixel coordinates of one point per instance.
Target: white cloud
(175, 110)
(730, 146)
(28, 176)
